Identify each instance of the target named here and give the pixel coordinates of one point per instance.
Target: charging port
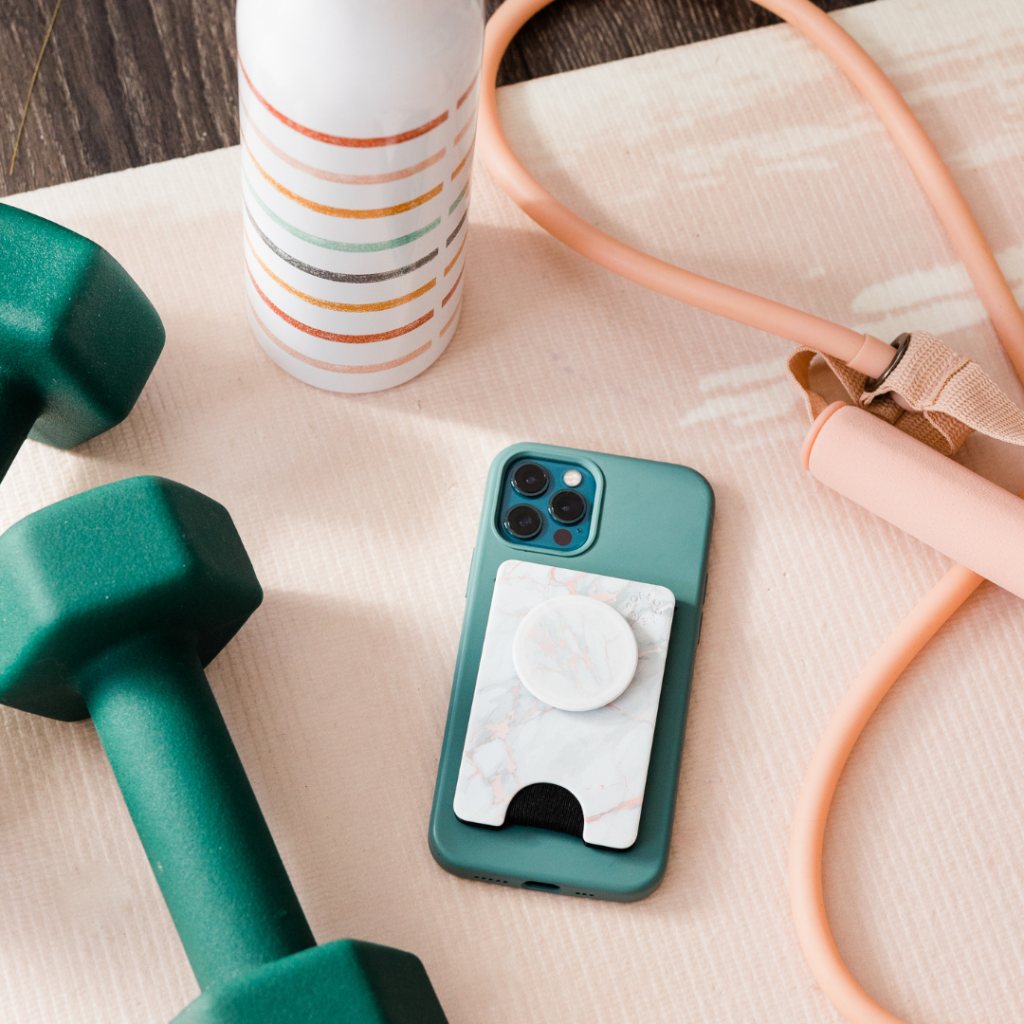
(542, 886)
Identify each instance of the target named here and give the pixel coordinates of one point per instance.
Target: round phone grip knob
(575, 653)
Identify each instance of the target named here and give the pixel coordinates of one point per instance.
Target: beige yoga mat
(749, 159)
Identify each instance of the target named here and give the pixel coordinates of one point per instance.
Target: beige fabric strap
(943, 396)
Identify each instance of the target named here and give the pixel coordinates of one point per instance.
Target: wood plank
(578, 33)
(121, 85)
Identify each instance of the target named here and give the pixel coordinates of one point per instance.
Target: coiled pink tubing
(865, 353)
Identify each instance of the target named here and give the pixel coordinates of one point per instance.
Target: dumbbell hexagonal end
(87, 574)
(345, 982)
(74, 328)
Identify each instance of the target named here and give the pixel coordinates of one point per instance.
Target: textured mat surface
(749, 159)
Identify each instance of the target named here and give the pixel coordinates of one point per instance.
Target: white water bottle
(358, 119)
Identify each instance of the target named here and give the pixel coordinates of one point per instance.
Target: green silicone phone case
(653, 524)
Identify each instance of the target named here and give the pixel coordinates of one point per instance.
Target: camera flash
(572, 478)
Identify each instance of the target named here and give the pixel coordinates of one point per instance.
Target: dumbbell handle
(19, 410)
(200, 824)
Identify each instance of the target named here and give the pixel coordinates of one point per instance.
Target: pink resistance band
(863, 353)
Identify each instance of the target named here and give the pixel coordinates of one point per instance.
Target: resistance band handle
(947, 506)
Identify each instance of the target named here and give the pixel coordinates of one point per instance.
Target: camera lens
(530, 480)
(568, 507)
(524, 522)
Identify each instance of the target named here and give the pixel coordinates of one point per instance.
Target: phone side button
(700, 625)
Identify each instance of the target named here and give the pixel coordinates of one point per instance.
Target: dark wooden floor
(137, 81)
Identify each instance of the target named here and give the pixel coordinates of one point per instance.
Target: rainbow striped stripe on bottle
(355, 248)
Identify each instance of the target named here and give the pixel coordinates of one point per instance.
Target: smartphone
(635, 534)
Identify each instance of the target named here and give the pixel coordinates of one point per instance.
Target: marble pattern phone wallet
(515, 739)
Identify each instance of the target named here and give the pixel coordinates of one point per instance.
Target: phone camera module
(524, 522)
(568, 507)
(530, 480)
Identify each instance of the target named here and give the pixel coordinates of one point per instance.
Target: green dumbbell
(111, 604)
(78, 338)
